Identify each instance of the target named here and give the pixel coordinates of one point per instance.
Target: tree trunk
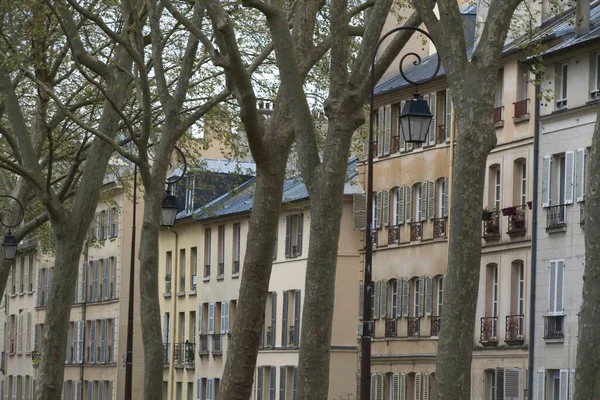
(149, 304)
(476, 137)
(238, 375)
(587, 382)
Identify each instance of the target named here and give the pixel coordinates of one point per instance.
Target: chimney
(582, 17)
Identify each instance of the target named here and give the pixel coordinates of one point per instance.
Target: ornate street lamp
(415, 119)
(9, 243)
(169, 203)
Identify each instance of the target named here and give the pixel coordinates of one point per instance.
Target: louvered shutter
(288, 236)
(512, 384)
(379, 378)
(399, 129)
(383, 299)
(282, 382)
(200, 312)
(445, 203)
(90, 390)
(571, 384)
(259, 383)
(273, 320)
(297, 303)
(360, 211)
(227, 309)
(36, 335)
(380, 131)
(399, 299)
(199, 389)
(405, 294)
(115, 335)
(358, 384)
(376, 301)
(95, 275)
(373, 387)
(433, 126)
(101, 390)
(39, 289)
(569, 176)
(212, 388)
(103, 341)
(299, 230)
(25, 276)
(395, 387)
(92, 349)
(81, 337)
(564, 384)
(75, 342)
(421, 297)
(386, 207)
(560, 282)
(428, 296)
(361, 301)
(546, 170)
(284, 318)
(116, 222)
(426, 387)
(84, 283)
(109, 395)
(272, 378)
(426, 143)
(580, 172)
(499, 383)
(423, 210)
(211, 318)
(64, 390)
(295, 383)
(105, 269)
(47, 288)
(79, 394)
(400, 206)
(165, 328)
(388, 130)
(418, 385)
(552, 289)
(431, 199)
(402, 387)
(448, 119)
(408, 203)
(222, 317)
(378, 210)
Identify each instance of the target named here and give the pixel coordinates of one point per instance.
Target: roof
(241, 199)
(220, 166)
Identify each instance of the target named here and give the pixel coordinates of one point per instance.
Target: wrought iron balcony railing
(413, 327)
(203, 348)
(184, 354)
(514, 329)
(217, 348)
(517, 222)
(393, 234)
(553, 327)
(416, 231)
(521, 108)
(221, 271)
(499, 114)
(488, 336)
(556, 216)
(490, 224)
(391, 328)
(436, 324)
(439, 228)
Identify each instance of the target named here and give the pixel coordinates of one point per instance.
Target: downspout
(534, 218)
(86, 248)
(174, 291)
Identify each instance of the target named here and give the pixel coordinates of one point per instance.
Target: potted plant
(486, 214)
(509, 211)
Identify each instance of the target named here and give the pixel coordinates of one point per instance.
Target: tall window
(561, 85)
(492, 394)
(561, 178)
(597, 73)
(181, 270)
(207, 251)
(497, 188)
(193, 267)
(221, 271)
(169, 263)
(521, 293)
(31, 267)
(495, 291)
(237, 244)
(293, 235)
(500, 89)
(523, 186)
(393, 296)
(417, 201)
(440, 296)
(441, 198)
(417, 298)
(189, 193)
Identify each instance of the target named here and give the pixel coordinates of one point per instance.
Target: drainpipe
(86, 248)
(174, 287)
(534, 218)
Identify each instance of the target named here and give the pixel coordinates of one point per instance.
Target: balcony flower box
(509, 211)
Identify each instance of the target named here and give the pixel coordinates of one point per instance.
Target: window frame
(497, 199)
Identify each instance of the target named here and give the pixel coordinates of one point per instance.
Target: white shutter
(405, 294)
(378, 209)
(540, 383)
(423, 204)
(546, 170)
(560, 284)
(211, 318)
(395, 387)
(75, 342)
(373, 387)
(564, 384)
(222, 317)
(400, 206)
(421, 297)
(379, 379)
(426, 142)
(402, 387)
(431, 199)
(200, 310)
(227, 309)
(446, 198)
(399, 129)
(433, 126)
(448, 121)
(380, 130)
(580, 172)
(571, 383)
(383, 299)
(388, 130)
(552, 288)
(81, 341)
(361, 300)
(115, 338)
(199, 389)
(399, 296)
(386, 207)
(425, 386)
(428, 296)
(512, 384)
(408, 202)
(376, 300)
(360, 211)
(569, 176)
(418, 386)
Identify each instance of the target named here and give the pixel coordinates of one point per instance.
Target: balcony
(236, 268)
(207, 272)
(491, 225)
(439, 228)
(217, 348)
(221, 270)
(184, 355)
(499, 116)
(514, 330)
(582, 213)
(556, 217)
(488, 336)
(521, 109)
(394, 234)
(416, 231)
(374, 238)
(413, 327)
(390, 328)
(553, 327)
(436, 325)
(203, 348)
(517, 220)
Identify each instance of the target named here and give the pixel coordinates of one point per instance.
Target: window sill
(236, 275)
(166, 295)
(191, 292)
(499, 124)
(557, 229)
(220, 277)
(554, 340)
(559, 110)
(206, 279)
(522, 118)
(180, 294)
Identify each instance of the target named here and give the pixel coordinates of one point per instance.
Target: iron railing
(553, 327)
(436, 325)
(394, 234)
(582, 212)
(217, 347)
(439, 228)
(203, 348)
(556, 216)
(236, 267)
(488, 336)
(498, 114)
(207, 271)
(221, 270)
(521, 108)
(413, 327)
(184, 354)
(517, 222)
(514, 329)
(416, 231)
(491, 225)
(391, 328)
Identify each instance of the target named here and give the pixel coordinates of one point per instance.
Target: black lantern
(9, 246)
(169, 209)
(415, 120)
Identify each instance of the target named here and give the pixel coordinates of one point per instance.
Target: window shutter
(273, 322)
(402, 387)
(199, 389)
(284, 318)
(408, 203)
(373, 387)
(376, 301)
(300, 228)
(512, 384)
(297, 299)
(386, 207)
(272, 378)
(383, 299)
(81, 337)
(400, 206)
(395, 387)
(428, 296)
(200, 309)
(259, 383)
(446, 198)
(295, 383)
(421, 297)
(388, 130)
(84, 283)
(380, 130)
(36, 335)
(580, 184)
(165, 328)
(379, 378)
(39, 288)
(223, 317)
(227, 309)
(571, 384)
(426, 387)
(433, 126)
(569, 176)
(115, 340)
(90, 390)
(552, 289)
(110, 391)
(560, 282)
(92, 342)
(361, 301)
(448, 121)
(78, 395)
(405, 294)
(288, 236)
(393, 308)
(358, 384)
(499, 383)
(101, 390)
(75, 342)
(418, 386)
(399, 129)
(360, 211)
(282, 382)
(211, 318)
(105, 269)
(212, 388)
(399, 297)
(423, 201)
(431, 199)
(546, 170)
(378, 210)
(564, 384)
(103, 341)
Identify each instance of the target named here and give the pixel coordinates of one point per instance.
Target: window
(31, 273)
(103, 224)
(193, 322)
(169, 264)
(290, 318)
(561, 85)
(193, 267)
(558, 178)
(237, 244)
(561, 179)
(190, 391)
(393, 296)
(221, 271)
(113, 277)
(376, 210)
(493, 385)
(556, 287)
(418, 200)
(499, 102)
(439, 296)
(523, 82)
(114, 226)
(398, 207)
(442, 195)
(44, 285)
(13, 281)
(520, 189)
(181, 328)
(293, 235)
(417, 297)
(181, 271)
(497, 187)
(207, 253)
(22, 269)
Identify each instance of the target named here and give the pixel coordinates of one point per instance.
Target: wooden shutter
(426, 387)
(361, 301)
(399, 129)
(273, 321)
(379, 379)
(564, 384)
(388, 130)
(448, 119)
(433, 126)
(377, 299)
(386, 207)
(418, 385)
(383, 299)
(431, 199)
(405, 294)
(81, 338)
(373, 395)
(75, 342)
(211, 318)
(428, 296)
(408, 203)
(259, 383)
(512, 384)
(297, 298)
(402, 387)
(105, 270)
(423, 210)
(395, 387)
(499, 383)
(360, 211)
(288, 236)
(400, 206)
(546, 170)
(272, 378)
(380, 130)
(101, 390)
(284, 319)
(580, 172)
(560, 285)
(569, 176)
(446, 198)
(552, 288)
(294, 383)
(378, 209)
(282, 382)
(299, 230)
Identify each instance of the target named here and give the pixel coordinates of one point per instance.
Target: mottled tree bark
(587, 377)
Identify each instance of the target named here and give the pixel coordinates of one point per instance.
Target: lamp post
(414, 120)
(9, 243)
(166, 210)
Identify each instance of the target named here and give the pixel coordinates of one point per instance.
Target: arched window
(393, 299)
